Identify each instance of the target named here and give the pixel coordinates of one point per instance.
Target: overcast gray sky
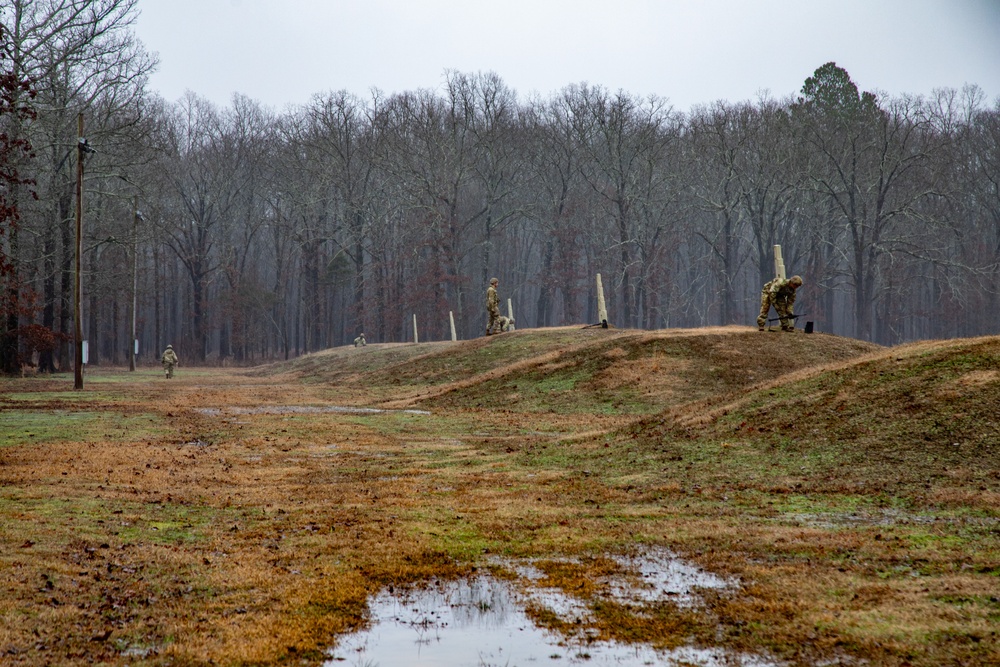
(282, 52)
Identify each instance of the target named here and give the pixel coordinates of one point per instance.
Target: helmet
(170, 347)
(796, 279)
(493, 281)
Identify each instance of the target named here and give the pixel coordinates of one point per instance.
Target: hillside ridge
(572, 368)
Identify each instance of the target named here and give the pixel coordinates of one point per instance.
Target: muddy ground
(243, 516)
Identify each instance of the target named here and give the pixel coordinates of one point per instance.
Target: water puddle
(655, 576)
(482, 622)
(302, 409)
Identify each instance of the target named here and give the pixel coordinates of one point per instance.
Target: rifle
(790, 317)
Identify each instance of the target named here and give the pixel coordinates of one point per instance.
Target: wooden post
(779, 263)
(135, 282)
(602, 309)
(451, 316)
(415, 338)
(77, 310)
(510, 310)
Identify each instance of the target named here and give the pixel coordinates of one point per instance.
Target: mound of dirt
(905, 414)
(338, 363)
(575, 370)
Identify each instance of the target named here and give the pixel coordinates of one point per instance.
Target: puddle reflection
(482, 623)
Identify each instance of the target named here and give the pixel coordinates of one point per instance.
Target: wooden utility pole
(135, 280)
(81, 145)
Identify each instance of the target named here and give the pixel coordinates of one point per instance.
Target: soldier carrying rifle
(779, 293)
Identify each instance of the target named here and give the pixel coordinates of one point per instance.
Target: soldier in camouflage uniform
(169, 360)
(492, 306)
(360, 340)
(780, 294)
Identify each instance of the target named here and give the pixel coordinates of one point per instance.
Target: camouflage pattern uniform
(360, 341)
(780, 294)
(169, 360)
(492, 306)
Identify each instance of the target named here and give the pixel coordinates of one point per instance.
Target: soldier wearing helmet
(169, 360)
(492, 306)
(779, 293)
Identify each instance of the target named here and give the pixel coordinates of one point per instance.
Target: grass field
(245, 517)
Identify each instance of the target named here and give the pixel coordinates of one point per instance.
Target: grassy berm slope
(241, 517)
(859, 486)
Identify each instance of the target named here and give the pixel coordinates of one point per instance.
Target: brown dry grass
(140, 528)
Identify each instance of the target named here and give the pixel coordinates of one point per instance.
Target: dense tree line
(247, 234)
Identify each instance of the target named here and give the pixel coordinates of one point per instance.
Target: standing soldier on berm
(492, 305)
(779, 293)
